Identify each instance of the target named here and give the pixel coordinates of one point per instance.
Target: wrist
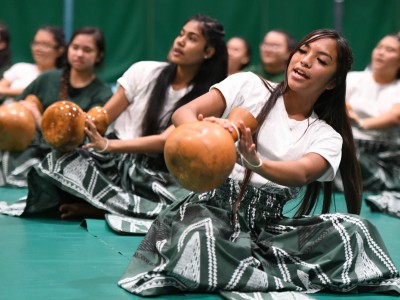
(360, 123)
(250, 165)
(105, 146)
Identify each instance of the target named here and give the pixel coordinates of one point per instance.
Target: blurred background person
(239, 54)
(5, 49)
(48, 52)
(76, 81)
(274, 54)
(373, 103)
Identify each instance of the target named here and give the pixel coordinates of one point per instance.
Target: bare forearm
(148, 144)
(184, 115)
(381, 122)
(293, 173)
(7, 92)
(207, 105)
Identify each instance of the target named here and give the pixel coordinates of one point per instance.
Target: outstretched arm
(384, 121)
(146, 144)
(289, 173)
(6, 91)
(209, 104)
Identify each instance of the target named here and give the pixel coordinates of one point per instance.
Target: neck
(274, 69)
(384, 77)
(298, 107)
(81, 78)
(43, 68)
(184, 75)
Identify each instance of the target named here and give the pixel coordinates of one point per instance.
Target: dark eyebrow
(320, 52)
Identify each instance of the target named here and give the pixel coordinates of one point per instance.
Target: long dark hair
(330, 107)
(5, 54)
(212, 70)
(100, 45)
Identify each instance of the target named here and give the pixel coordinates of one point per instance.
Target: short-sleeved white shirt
(20, 75)
(280, 138)
(370, 99)
(138, 82)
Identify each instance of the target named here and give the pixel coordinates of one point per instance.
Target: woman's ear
(210, 51)
(331, 84)
(61, 51)
(99, 57)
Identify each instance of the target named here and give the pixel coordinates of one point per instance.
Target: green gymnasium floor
(54, 259)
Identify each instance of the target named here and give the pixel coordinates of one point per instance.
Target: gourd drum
(63, 124)
(17, 124)
(99, 117)
(201, 155)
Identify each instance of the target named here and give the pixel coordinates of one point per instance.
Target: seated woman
(234, 239)
(274, 51)
(239, 54)
(5, 49)
(126, 175)
(48, 52)
(76, 82)
(373, 104)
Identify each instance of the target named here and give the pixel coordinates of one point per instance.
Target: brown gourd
(63, 124)
(201, 155)
(17, 124)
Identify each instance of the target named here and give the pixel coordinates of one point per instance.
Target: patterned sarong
(128, 189)
(14, 166)
(380, 165)
(194, 246)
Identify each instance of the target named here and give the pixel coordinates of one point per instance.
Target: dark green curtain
(144, 29)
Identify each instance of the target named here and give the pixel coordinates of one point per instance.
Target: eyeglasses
(43, 46)
(272, 46)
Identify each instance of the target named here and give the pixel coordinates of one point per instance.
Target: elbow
(175, 116)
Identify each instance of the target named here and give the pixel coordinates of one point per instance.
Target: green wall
(144, 29)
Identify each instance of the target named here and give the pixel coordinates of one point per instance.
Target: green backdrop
(144, 29)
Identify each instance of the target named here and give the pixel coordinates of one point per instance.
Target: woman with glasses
(76, 81)
(48, 52)
(274, 53)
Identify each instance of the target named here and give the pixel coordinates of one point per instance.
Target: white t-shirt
(280, 138)
(138, 82)
(370, 99)
(20, 75)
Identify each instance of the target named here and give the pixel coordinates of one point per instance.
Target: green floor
(54, 259)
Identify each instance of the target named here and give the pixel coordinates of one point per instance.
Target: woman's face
(274, 49)
(83, 53)
(386, 55)
(189, 48)
(313, 66)
(45, 50)
(237, 54)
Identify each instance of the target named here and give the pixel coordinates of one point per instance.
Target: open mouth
(301, 73)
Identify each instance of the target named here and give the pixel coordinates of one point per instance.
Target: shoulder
(49, 76)
(246, 76)
(141, 73)
(20, 68)
(253, 68)
(23, 65)
(355, 76)
(247, 81)
(243, 89)
(146, 66)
